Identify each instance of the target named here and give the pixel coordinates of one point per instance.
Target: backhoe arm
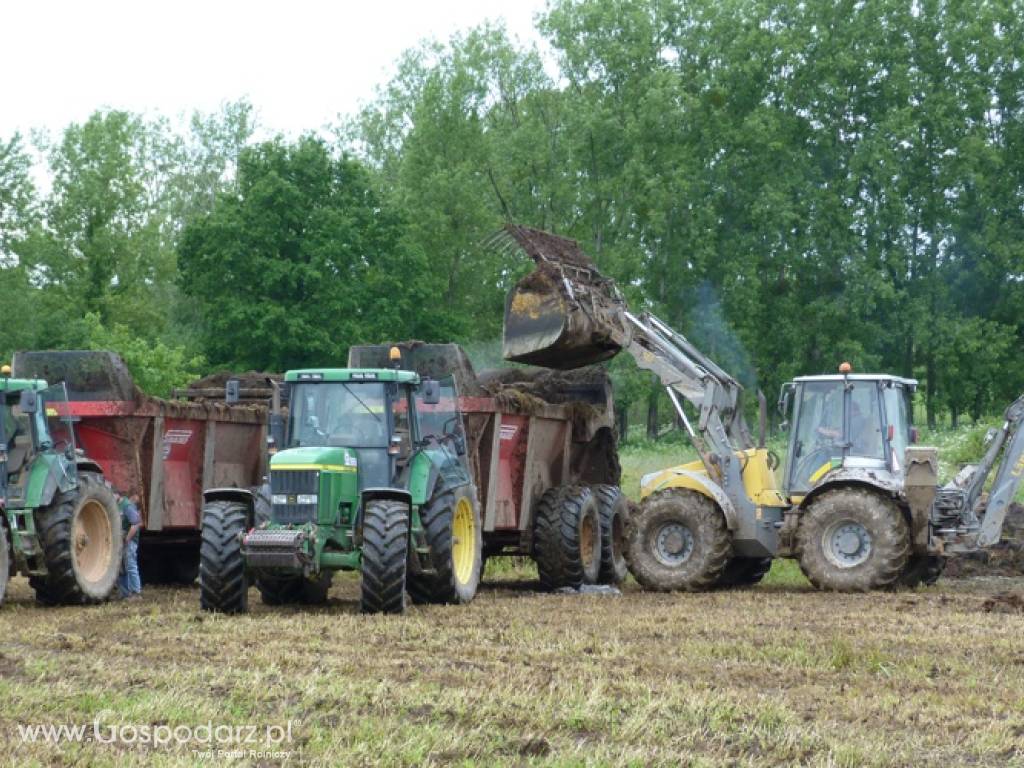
(566, 315)
(1009, 443)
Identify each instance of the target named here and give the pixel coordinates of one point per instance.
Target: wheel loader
(59, 521)
(858, 503)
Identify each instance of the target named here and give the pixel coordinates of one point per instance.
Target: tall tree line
(791, 184)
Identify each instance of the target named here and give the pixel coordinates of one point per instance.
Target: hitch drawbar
(274, 549)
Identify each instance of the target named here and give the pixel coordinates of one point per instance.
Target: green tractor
(368, 474)
(60, 524)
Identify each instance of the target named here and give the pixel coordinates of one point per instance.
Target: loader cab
(849, 422)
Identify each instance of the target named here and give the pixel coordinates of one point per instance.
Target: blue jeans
(129, 582)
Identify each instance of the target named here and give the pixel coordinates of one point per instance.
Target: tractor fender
(83, 464)
(878, 482)
(865, 478)
(245, 496)
(701, 483)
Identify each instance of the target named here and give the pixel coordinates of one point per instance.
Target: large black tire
(82, 542)
(613, 511)
(293, 589)
(567, 537)
(5, 562)
(456, 565)
(223, 581)
(922, 570)
(385, 556)
(679, 541)
(744, 571)
(853, 540)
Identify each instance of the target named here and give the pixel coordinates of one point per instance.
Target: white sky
(300, 63)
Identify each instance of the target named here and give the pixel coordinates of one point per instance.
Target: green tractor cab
(368, 474)
(59, 521)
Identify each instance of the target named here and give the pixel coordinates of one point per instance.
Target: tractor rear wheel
(922, 569)
(451, 522)
(567, 537)
(744, 571)
(278, 590)
(223, 581)
(82, 544)
(680, 542)
(613, 511)
(385, 556)
(5, 562)
(853, 540)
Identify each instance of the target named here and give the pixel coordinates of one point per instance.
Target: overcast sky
(300, 63)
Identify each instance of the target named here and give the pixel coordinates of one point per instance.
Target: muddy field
(777, 675)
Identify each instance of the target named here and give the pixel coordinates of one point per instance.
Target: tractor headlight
(279, 498)
(306, 498)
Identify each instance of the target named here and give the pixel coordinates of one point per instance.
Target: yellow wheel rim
(463, 541)
(91, 535)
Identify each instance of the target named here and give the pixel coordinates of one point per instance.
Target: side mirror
(276, 431)
(28, 402)
(784, 395)
(431, 392)
(232, 391)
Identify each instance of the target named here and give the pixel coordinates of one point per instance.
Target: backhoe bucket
(87, 374)
(550, 314)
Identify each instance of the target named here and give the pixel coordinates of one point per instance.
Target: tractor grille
(291, 484)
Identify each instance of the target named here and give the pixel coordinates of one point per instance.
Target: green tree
(301, 259)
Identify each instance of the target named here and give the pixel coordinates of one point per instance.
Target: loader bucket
(556, 316)
(87, 374)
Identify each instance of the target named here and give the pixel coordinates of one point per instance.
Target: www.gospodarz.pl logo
(212, 739)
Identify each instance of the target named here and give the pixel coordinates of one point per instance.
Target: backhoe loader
(858, 504)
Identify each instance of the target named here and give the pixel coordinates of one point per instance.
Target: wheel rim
(464, 541)
(588, 538)
(673, 544)
(847, 543)
(92, 541)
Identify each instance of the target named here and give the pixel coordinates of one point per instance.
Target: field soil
(775, 675)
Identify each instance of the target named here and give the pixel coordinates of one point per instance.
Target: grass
(777, 675)
(774, 675)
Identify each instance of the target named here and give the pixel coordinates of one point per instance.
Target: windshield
(334, 413)
(818, 432)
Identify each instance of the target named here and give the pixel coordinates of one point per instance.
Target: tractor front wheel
(853, 540)
(567, 537)
(679, 542)
(385, 556)
(82, 544)
(451, 522)
(223, 581)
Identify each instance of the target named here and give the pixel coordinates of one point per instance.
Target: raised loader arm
(566, 315)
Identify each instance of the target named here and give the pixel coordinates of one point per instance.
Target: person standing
(129, 583)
